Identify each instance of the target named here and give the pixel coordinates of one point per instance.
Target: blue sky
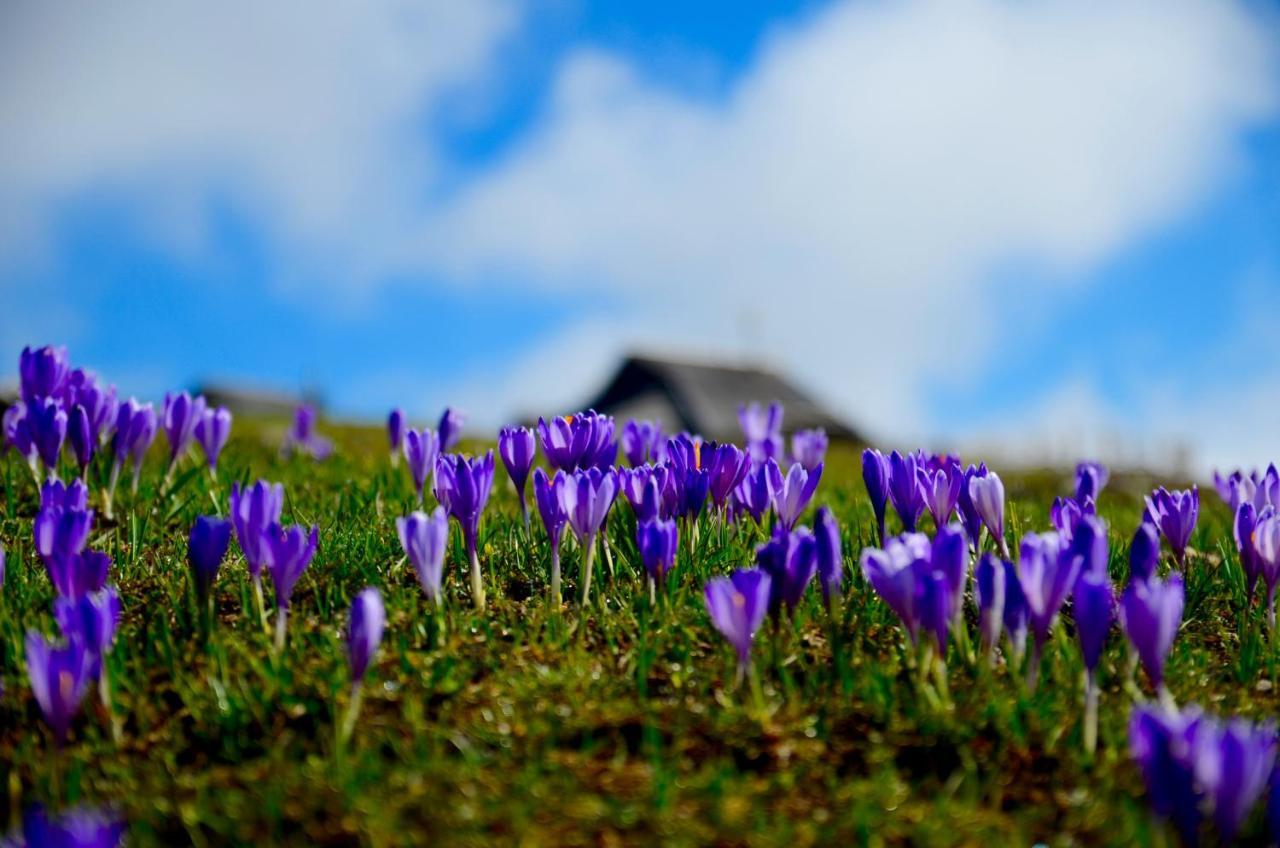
(946, 218)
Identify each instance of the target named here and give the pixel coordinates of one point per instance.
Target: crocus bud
(364, 633)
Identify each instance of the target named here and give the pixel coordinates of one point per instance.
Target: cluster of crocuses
(924, 581)
(1254, 500)
(70, 408)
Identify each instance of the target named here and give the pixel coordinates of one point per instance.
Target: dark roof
(250, 400)
(704, 398)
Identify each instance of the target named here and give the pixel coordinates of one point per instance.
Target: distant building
(704, 398)
(252, 402)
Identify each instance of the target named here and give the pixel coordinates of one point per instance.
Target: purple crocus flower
(206, 547)
(421, 448)
(584, 440)
(1016, 615)
(1144, 552)
(179, 419)
(91, 620)
(727, 466)
(737, 605)
(935, 603)
(287, 552)
(1047, 572)
(1175, 513)
(892, 573)
(941, 489)
(875, 475)
(548, 494)
(43, 373)
(1091, 479)
(302, 436)
(796, 492)
(1093, 603)
(2, 555)
(809, 447)
(60, 676)
(78, 574)
(99, 402)
(462, 488)
(80, 437)
(212, 431)
(395, 434)
(1232, 762)
(643, 442)
(47, 423)
(986, 491)
(759, 489)
(77, 828)
(657, 541)
(1064, 514)
(949, 555)
(450, 428)
(1228, 487)
(587, 496)
(762, 430)
(253, 510)
(692, 479)
(969, 516)
(828, 554)
(989, 584)
(1161, 742)
(1243, 528)
(364, 631)
(63, 524)
(1150, 613)
(1089, 542)
(1266, 550)
(516, 446)
(17, 435)
(905, 490)
(789, 558)
(135, 430)
(425, 539)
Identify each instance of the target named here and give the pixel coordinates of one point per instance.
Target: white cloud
(840, 211)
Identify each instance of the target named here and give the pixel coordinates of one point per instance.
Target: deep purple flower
(179, 419)
(395, 433)
(935, 603)
(253, 510)
(80, 437)
(91, 620)
(421, 449)
(875, 475)
(60, 676)
(1089, 542)
(892, 573)
(47, 424)
(1016, 615)
(462, 487)
(987, 493)
(809, 447)
(905, 490)
(287, 551)
(77, 828)
(1091, 479)
(584, 440)
(1161, 741)
(737, 605)
(727, 466)
(17, 433)
(54, 494)
(1228, 487)
(643, 442)
(1093, 604)
(949, 555)
(99, 403)
(969, 515)
(1266, 551)
(206, 547)
(2, 556)
(759, 488)
(364, 631)
(989, 585)
(136, 428)
(1232, 761)
(1047, 572)
(62, 525)
(450, 428)
(587, 497)
(1243, 529)
(212, 431)
(517, 447)
(789, 558)
(1144, 552)
(1151, 612)
(1064, 514)
(43, 373)
(762, 431)
(657, 542)
(828, 554)
(78, 574)
(692, 478)
(425, 539)
(941, 490)
(1175, 513)
(796, 492)
(303, 438)
(548, 494)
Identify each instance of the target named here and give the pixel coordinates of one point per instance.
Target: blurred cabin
(252, 402)
(704, 398)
